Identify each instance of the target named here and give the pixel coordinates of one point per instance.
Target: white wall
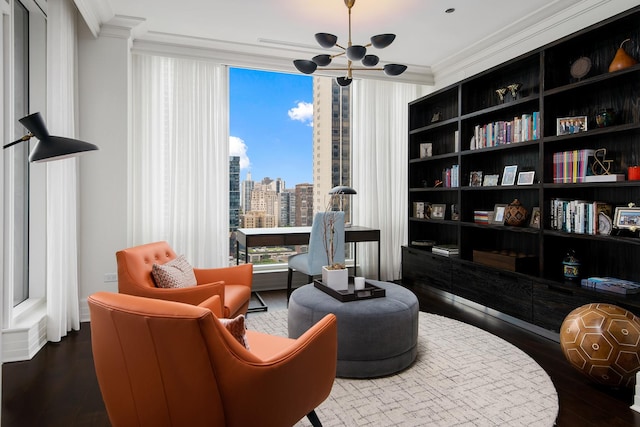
(104, 75)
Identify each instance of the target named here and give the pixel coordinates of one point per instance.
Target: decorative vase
(605, 118)
(336, 279)
(515, 214)
(571, 266)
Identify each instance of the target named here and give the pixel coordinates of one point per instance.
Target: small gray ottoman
(376, 336)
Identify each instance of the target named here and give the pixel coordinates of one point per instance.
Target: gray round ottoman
(376, 336)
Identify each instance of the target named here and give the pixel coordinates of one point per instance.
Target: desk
(290, 236)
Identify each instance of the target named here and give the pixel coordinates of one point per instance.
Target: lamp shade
(344, 81)
(356, 52)
(52, 147)
(382, 40)
(305, 66)
(322, 60)
(394, 69)
(370, 60)
(342, 189)
(326, 40)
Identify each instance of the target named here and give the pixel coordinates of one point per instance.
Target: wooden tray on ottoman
(370, 291)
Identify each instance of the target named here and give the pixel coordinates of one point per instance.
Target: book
(446, 250)
(611, 284)
(614, 177)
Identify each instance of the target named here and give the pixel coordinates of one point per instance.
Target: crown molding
(525, 35)
(95, 13)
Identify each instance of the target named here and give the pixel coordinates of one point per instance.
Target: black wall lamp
(49, 147)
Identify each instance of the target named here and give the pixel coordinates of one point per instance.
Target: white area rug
(463, 376)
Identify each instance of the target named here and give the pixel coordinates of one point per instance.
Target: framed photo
(498, 214)
(627, 218)
(535, 220)
(509, 175)
(475, 179)
(526, 178)
(426, 149)
(455, 213)
(438, 211)
(569, 125)
(490, 180)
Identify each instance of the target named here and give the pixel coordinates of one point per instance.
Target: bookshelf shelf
(473, 103)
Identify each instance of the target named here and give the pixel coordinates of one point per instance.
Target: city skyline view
(271, 125)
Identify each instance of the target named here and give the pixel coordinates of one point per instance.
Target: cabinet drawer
(507, 293)
(424, 268)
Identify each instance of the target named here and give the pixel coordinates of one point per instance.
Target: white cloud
(302, 113)
(237, 147)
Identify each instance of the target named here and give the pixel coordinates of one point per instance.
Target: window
(24, 187)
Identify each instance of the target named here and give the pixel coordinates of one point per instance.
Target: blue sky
(271, 124)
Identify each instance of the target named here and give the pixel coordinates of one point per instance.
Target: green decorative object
(605, 118)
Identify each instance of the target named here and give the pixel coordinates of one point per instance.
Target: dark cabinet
(514, 115)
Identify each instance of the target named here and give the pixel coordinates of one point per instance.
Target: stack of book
(450, 176)
(449, 250)
(571, 166)
(523, 128)
(577, 216)
(611, 284)
(481, 217)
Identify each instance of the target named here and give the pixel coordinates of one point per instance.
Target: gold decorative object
(501, 93)
(601, 166)
(513, 88)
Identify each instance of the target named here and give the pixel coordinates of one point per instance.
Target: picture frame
(570, 125)
(509, 175)
(426, 150)
(497, 218)
(536, 218)
(438, 211)
(626, 218)
(455, 212)
(490, 180)
(475, 179)
(526, 178)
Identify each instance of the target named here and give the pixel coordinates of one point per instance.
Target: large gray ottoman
(376, 336)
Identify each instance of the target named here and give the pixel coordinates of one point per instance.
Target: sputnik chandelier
(352, 52)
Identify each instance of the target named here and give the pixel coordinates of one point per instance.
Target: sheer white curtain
(61, 188)
(379, 123)
(179, 157)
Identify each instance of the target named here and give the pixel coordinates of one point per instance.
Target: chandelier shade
(353, 53)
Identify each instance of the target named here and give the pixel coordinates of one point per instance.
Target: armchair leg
(313, 419)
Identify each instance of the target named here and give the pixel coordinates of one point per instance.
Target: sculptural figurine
(513, 88)
(501, 92)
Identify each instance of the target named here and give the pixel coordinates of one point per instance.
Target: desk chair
(311, 263)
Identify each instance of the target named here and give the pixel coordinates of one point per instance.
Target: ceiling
(428, 39)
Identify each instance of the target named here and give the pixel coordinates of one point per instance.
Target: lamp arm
(24, 138)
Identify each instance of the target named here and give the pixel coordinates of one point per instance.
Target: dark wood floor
(58, 386)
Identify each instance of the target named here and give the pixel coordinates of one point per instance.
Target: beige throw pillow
(177, 273)
(237, 328)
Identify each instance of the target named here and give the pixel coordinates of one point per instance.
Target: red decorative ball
(603, 342)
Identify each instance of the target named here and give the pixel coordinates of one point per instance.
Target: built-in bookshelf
(536, 114)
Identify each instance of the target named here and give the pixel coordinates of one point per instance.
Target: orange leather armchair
(162, 363)
(233, 284)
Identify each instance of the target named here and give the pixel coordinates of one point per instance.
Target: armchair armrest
(193, 295)
(294, 374)
(214, 304)
(234, 275)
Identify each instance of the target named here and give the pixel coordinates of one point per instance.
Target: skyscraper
(304, 204)
(234, 193)
(247, 188)
(331, 140)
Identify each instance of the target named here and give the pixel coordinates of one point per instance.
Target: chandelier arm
(349, 68)
(341, 47)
